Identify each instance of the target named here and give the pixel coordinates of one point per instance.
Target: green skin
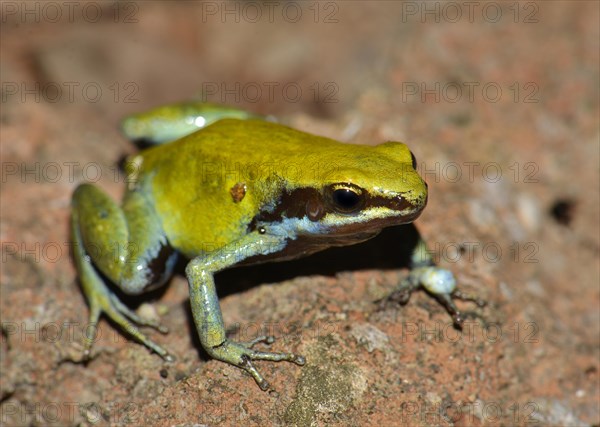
(235, 189)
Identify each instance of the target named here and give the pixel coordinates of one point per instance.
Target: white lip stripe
(291, 227)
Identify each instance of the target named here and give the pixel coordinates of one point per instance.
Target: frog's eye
(414, 160)
(346, 198)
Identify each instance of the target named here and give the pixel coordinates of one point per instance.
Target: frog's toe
(464, 296)
(277, 357)
(91, 330)
(451, 308)
(266, 339)
(401, 295)
(248, 366)
(131, 315)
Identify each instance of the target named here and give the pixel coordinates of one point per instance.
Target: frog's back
(247, 141)
(208, 186)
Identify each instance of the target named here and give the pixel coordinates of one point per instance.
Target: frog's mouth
(370, 222)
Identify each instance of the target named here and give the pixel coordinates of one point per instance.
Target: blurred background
(499, 103)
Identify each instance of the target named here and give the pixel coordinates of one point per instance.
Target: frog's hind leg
(100, 298)
(170, 122)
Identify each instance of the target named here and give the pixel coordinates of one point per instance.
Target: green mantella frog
(222, 188)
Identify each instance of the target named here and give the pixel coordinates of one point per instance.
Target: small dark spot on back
(238, 192)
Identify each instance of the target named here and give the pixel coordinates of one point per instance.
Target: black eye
(346, 200)
(414, 161)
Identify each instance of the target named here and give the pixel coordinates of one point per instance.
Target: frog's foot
(102, 300)
(439, 283)
(242, 355)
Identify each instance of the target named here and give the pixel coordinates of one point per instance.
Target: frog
(221, 187)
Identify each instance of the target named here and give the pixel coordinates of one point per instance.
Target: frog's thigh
(127, 245)
(170, 122)
(102, 228)
(150, 257)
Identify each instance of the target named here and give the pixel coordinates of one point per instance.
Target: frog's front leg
(437, 281)
(126, 245)
(207, 312)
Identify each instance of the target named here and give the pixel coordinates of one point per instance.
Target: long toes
(278, 357)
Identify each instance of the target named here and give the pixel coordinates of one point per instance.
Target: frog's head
(360, 190)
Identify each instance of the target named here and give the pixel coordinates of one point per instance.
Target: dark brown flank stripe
(291, 204)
